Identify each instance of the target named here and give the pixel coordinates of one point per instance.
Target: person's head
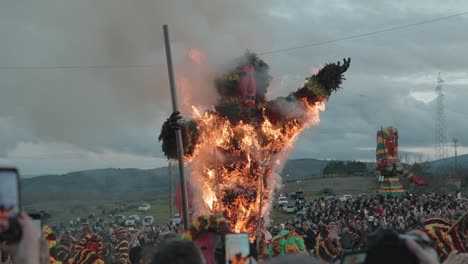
(135, 255)
(289, 226)
(305, 225)
(178, 251)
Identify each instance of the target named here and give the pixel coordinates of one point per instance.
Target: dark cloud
(121, 109)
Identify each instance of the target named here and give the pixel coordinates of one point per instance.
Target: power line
(75, 67)
(365, 34)
(264, 53)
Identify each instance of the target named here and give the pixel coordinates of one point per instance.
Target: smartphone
(354, 258)
(37, 221)
(10, 208)
(237, 248)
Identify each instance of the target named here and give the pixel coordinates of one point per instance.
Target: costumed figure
(52, 240)
(287, 242)
(237, 146)
(389, 165)
(121, 249)
(457, 239)
(89, 251)
(64, 249)
(327, 244)
(208, 232)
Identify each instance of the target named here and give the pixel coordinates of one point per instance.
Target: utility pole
(441, 129)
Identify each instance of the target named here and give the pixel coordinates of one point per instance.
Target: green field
(64, 211)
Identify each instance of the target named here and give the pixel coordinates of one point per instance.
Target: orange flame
(196, 55)
(241, 157)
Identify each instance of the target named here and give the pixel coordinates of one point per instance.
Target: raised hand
(174, 120)
(419, 181)
(345, 66)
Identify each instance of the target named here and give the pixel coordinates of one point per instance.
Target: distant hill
(128, 184)
(450, 162)
(302, 168)
(103, 184)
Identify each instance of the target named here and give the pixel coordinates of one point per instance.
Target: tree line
(335, 167)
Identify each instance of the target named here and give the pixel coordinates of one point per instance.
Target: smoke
(117, 108)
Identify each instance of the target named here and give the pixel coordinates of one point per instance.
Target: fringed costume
(326, 248)
(389, 165)
(52, 239)
(64, 249)
(89, 251)
(286, 242)
(436, 229)
(121, 249)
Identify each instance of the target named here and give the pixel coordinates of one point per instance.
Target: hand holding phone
(237, 248)
(10, 230)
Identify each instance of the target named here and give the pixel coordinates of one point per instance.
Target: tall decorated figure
(235, 148)
(389, 165)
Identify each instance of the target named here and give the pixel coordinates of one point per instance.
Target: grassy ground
(64, 211)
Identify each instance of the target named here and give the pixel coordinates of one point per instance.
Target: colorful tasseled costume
(326, 249)
(122, 247)
(207, 223)
(50, 236)
(208, 231)
(389, 165)
(286, 242)
(436, 229)
(64, 250)
(89, 251)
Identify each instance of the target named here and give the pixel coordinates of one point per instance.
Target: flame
(242, 158)
(196, 56)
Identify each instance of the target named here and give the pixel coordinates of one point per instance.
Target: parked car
(346, 197)
(282, 201)
(132, 220)
(363, 195)
(144, 207)
(289, 209)
(176, 220)
(148, 220)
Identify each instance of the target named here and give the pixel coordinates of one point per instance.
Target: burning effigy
(236, 150)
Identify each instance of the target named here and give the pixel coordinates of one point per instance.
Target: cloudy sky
(84, 84)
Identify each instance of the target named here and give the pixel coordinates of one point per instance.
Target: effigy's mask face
(247, 85)
(391, 143)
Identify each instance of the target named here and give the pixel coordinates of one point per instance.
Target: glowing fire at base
(239, 151)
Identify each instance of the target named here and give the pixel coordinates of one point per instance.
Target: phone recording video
(10, 230)
(237, 248)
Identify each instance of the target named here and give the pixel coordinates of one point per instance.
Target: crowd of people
(348, 222)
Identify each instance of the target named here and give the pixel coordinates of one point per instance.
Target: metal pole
(170, 190)
(180, 146)
(259, 224)
(218, 189)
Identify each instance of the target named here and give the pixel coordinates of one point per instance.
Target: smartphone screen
(354, 258)
(237, 248)
(9, 197)
(10, 229)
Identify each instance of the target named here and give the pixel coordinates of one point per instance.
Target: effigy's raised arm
(321, 85)
(410, 176)
(190, 135)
